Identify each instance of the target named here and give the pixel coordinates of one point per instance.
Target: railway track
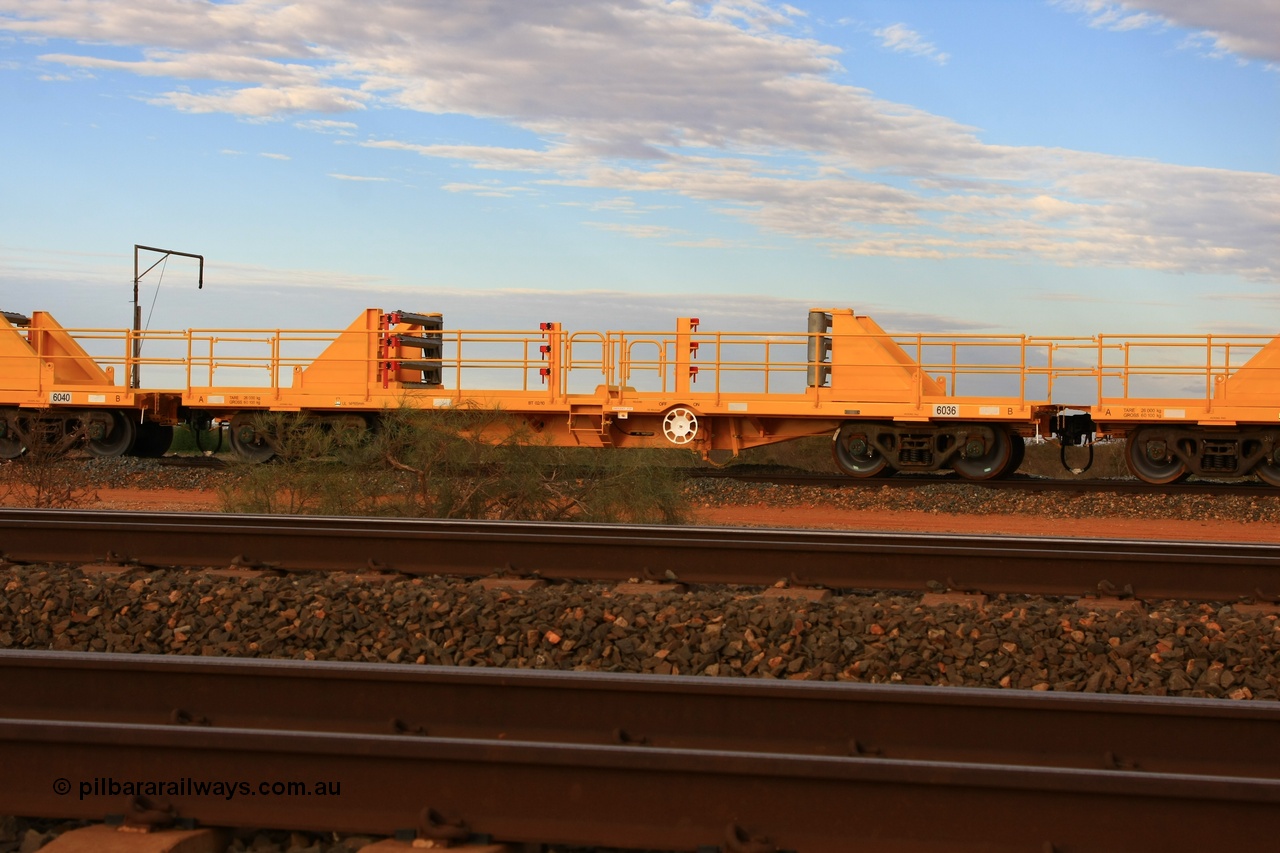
(631, 761)
(841, 560)
(1014, 483)
(1090, 731)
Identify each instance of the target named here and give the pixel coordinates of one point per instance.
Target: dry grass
(459, 463)
(43, 477)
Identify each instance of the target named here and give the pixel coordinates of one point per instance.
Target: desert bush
(457, 463)
(43, 477)
(317, 470)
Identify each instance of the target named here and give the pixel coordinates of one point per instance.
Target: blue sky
(1061, 167)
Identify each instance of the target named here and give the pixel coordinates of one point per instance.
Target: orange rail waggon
(1202, 405)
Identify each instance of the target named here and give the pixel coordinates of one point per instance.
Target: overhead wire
(163, 266)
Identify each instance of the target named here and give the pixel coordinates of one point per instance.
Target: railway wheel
(11, 443)
(680, 425)
(855, 455)
(985, 461)
(111, 433)
(250, 442)
(1019, 445)
(1269, 472)
(1151, 460)
(153, 440)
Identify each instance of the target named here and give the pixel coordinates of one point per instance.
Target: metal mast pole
(136, 349)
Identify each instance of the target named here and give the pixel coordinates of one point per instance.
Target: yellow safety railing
(1118, 367)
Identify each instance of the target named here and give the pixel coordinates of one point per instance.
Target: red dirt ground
(178, 500)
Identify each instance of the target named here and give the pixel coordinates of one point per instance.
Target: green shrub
(184, 441)
(456, 463)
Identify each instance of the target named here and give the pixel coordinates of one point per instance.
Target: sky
(1049, 167)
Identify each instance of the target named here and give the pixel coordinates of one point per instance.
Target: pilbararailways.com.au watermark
(109, 786)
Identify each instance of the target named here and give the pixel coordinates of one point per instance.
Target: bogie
(110, 432)
(1269, 472)
(262, 436)
(856, 456)
(985, 455)
(1161, 455)
(975, 451)
(250, 439)
(102, 432)
(1018, 456)
(13, 442)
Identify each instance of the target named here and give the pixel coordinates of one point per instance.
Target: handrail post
(1208, 371)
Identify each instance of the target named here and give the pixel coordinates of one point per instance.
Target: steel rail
(634, 796)
(1161, 735)
(751, 556)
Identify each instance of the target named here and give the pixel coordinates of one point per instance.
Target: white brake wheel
(680, 425)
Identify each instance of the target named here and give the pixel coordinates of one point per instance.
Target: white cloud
(271, 156)
(644, 232)
(902, 39)
(341, 177)
(262, 102)
(713, 102)
(709, 243)
(1246, 28)
(490, 190)
(328, 126)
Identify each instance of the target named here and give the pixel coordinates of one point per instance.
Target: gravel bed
(1174, 648)
(966, 499)
(84, 475)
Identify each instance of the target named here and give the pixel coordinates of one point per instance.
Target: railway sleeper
(976, 451)
(1160, 455)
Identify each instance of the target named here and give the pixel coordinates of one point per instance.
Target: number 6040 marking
(60, 397)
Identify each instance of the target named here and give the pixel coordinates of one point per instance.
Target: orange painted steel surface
(692, 388)
(1205, 379)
